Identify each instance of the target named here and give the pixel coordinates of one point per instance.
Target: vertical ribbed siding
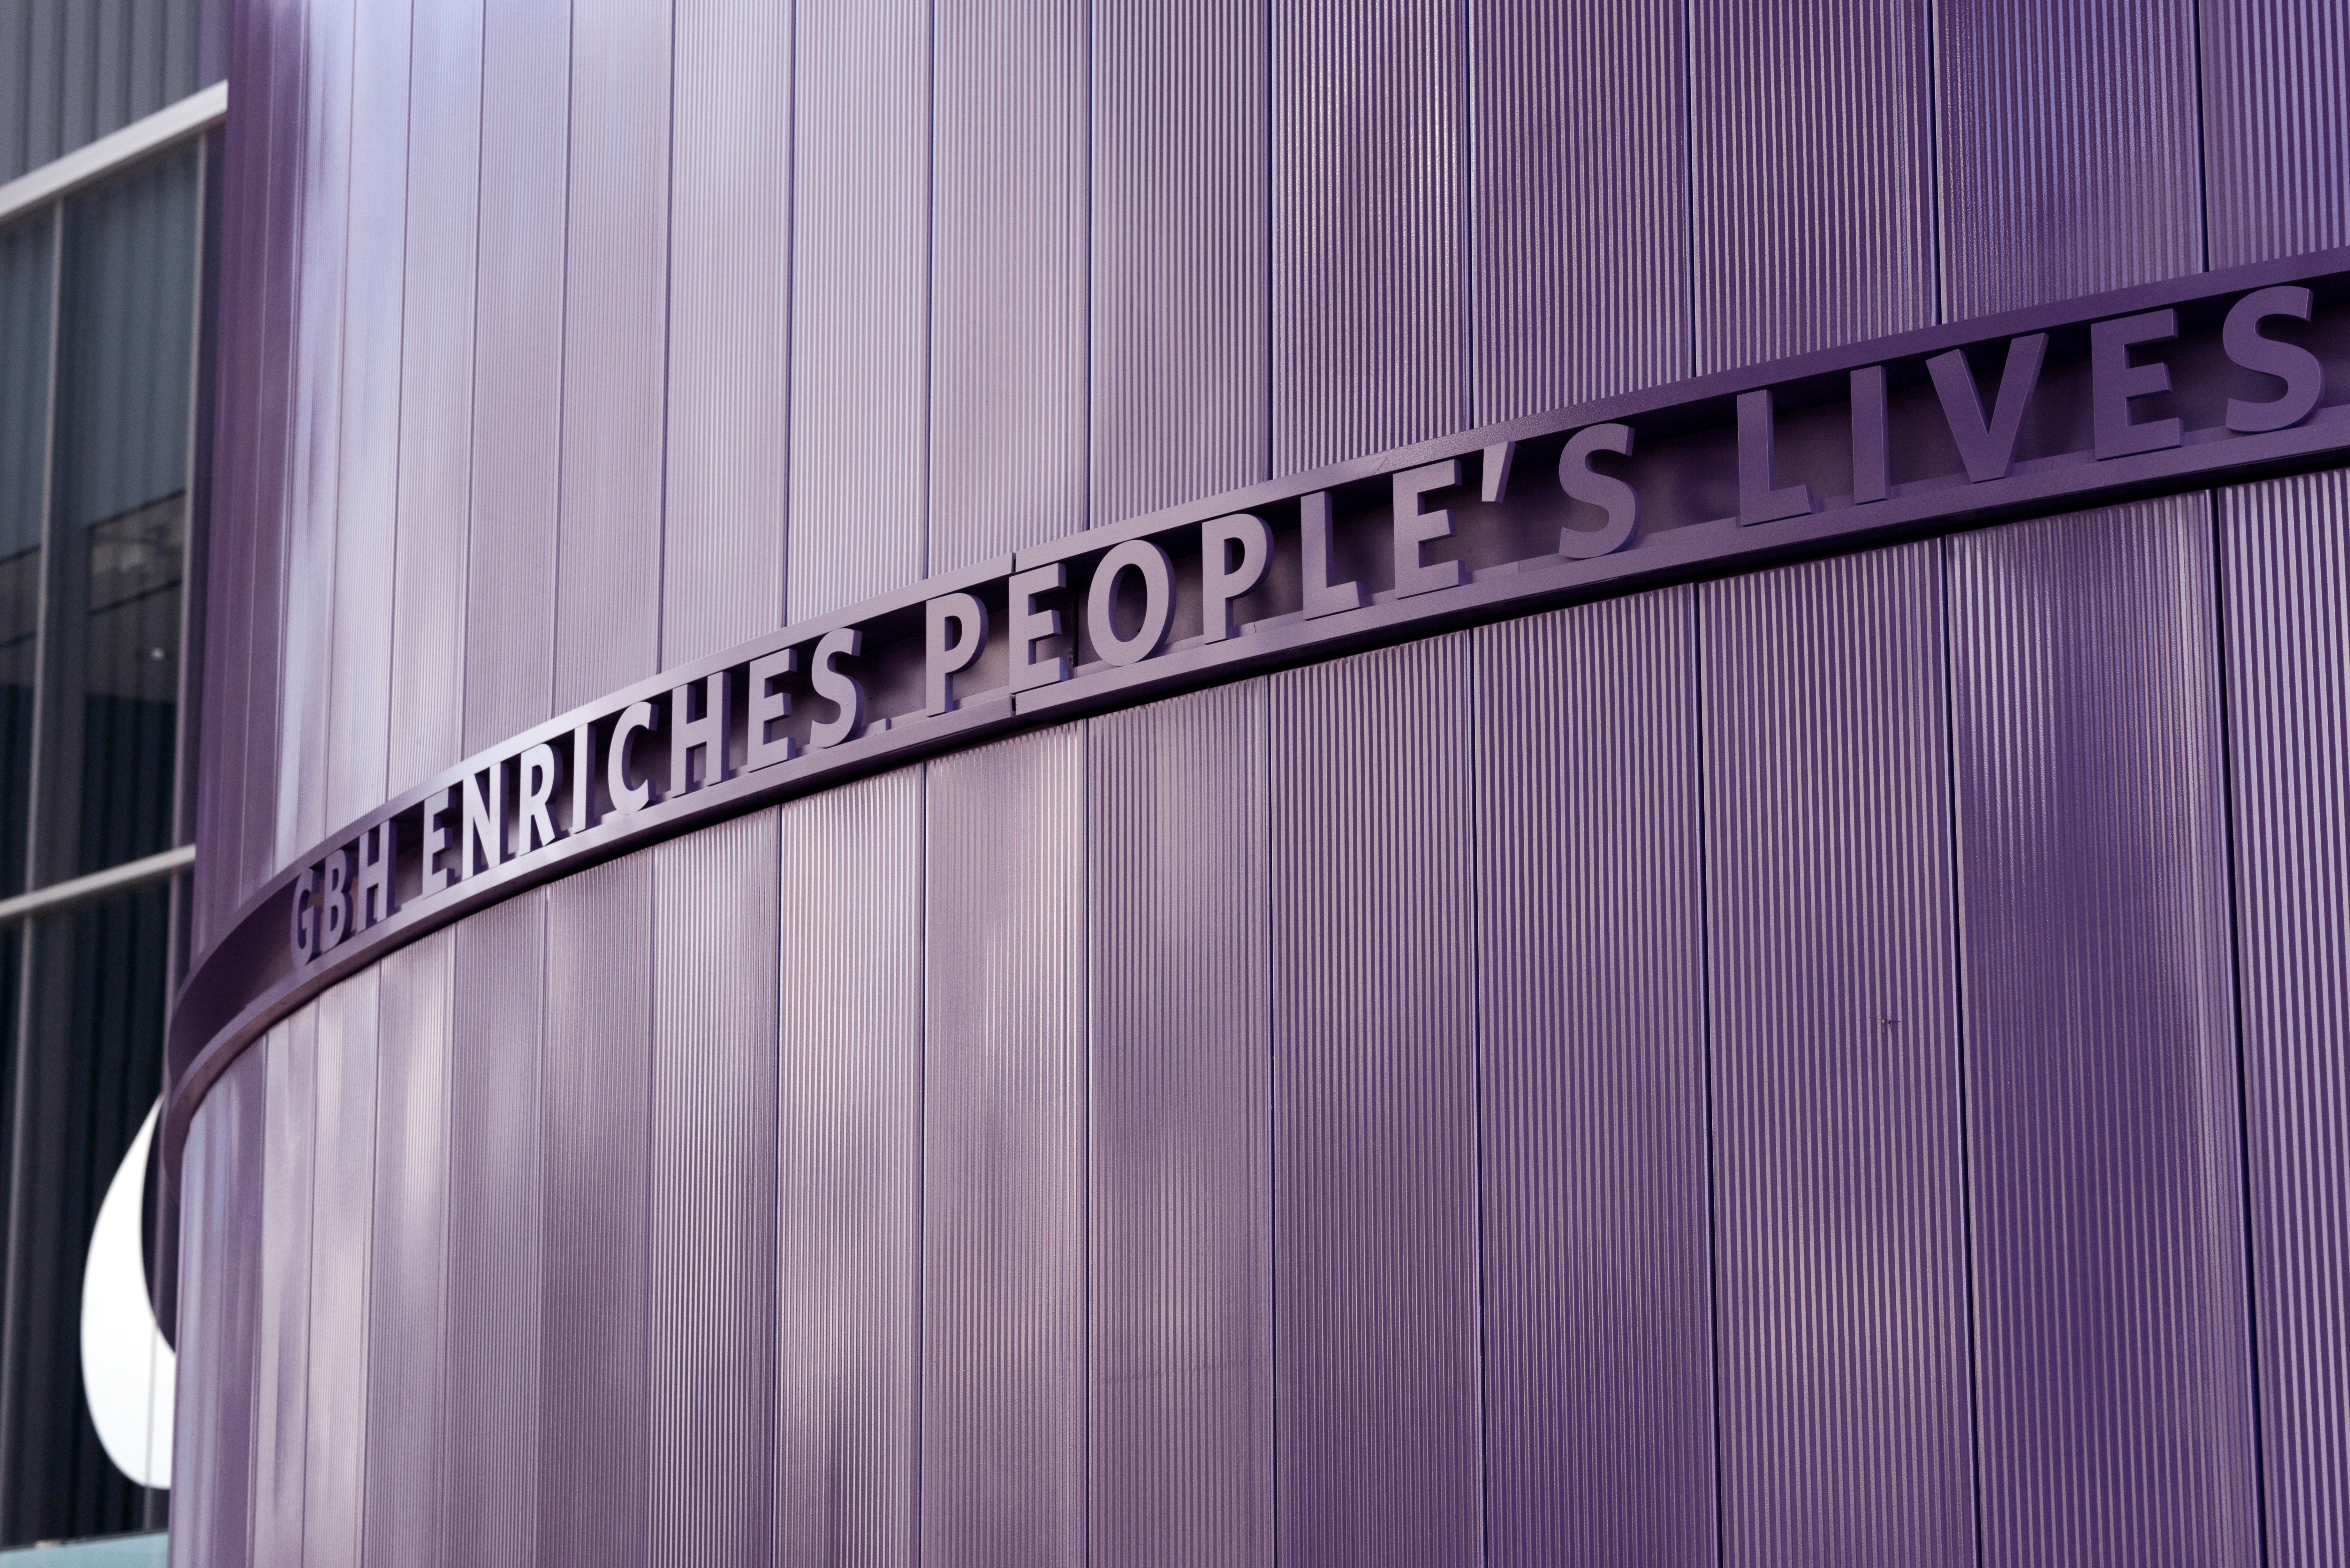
(1008, 242)
(490, 1437)
(2067, 149)
(1180, 253)
(1374, 1109)
(1004, 1173)
(593, 1217)
(281, 1383)
(860, 300)
(848, 1183)
(2282, 563)
(518, 379)
(710, 1459)
(1847, 1422)
(343, 1202)
(221, 1207)
(730, 327)
(1599, 1355)
(408, 1249)
(614, 350)
(1370, 295)
(1578, 201)
(1180, 1256)
(2276, 138)
(61, 88)
(2112, 1360)
(1811, 196)
(427, 586)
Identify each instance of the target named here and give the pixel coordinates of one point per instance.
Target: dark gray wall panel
(1840, 1225)
(860, 300)
(592, 1337)
(848, 1179)
(1600, 1378)
(1179, 1189)
(1180, 253)
(1375, 1110)
(1008, 204)
(1369, 294)
(138, 59)
(2282, 563)
(2067, 149)
(217, 1339)
(2276, 136)
(1004, 1173)
(712, 1317)
(1811, 196)
(343, 1203)
(281, 1384)
(730, 327)
(1578, 217)
(2112, 1356)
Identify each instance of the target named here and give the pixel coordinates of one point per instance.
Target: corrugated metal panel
(711, 1318)
(861, 301)
(281, 1382)
(517, 366)
(1180, 1189)
(2276, 146)
(1811, 200)
(436, 393)
(2112, 1357)
(730, 326)
(1180, 253)
(2068, 148)
(64, 82)
(1369, 296)
(614, 352)
(1003, 1177)
(1008, 203)
(1591, 1005)
(408, 1257)
(848, 1185)
(222, 1211)
(1840, 1222)
(1578, 220)
(490, 1433)
(592, 1089)
(2284, 559)
(343, 1204)
(1375, 1110)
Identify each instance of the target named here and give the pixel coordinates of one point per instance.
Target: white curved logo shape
(126, 1367)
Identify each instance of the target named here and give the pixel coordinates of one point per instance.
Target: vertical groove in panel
(1180, 251)
(2067, 150)
(222, 1211)
(849, 1188)
(436, 393)
(1598, 1339)
(1369, 350)
(1375, 1111)
(716, 947)
(1004, 1201)
(592, 1094)
(1810, 195)
(2283, 560)
(343, 1200)
(2276, 136)
(1008, 204)
(518, 379)
(1846, 1423)
(282, 1378)
(860, 300)
(1180, 1420)
(490, 1442)
(730, 329)
(2101, 1055)
(1578, 201)
(615, 351)
(408, 1249)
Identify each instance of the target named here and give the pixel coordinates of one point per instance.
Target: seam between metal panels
(929, 321)
(1473, 651)
(400, 384)
(669, 359)
(1705, 1079)
(1082, 933)
(563, 341)
(2203, 213)
(922, 1258)
(1271, 1197)
(790, 210)
(1935, 217)
(1689, 361)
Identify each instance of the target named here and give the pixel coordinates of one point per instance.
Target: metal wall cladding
(72, 71)
(1004, 1165)
(342, 1205)
(1374, 1109)
(848, 1184)
(1179, 1255)
(2276, 146)
(216, 1338)
(281, 1384)
(1578, 201)
(1839, 1202)
(1597, 1278)
(2112, 1351)
(2283, 563)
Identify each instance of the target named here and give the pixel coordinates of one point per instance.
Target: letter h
(706, 735)
(372, 894)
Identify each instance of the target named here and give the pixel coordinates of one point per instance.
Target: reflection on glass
(25, 254)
